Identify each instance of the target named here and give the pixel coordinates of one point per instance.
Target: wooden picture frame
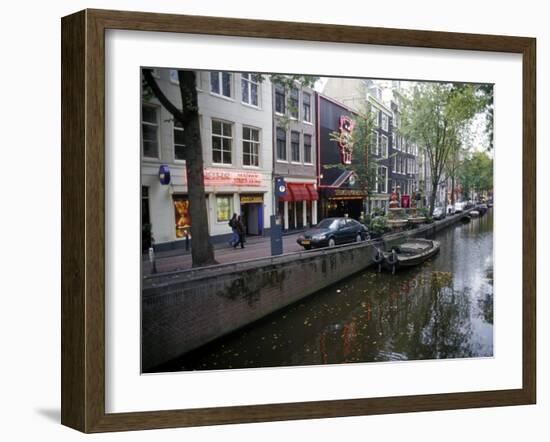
(83, 220)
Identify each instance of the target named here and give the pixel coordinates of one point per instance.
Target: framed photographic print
(268, 221)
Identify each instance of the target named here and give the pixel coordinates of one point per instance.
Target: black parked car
(332, 231)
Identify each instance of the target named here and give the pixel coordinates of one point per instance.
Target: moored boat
(410, 253)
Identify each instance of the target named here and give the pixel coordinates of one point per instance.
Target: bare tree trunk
(453, 189)
(433, 196)
(202, 251)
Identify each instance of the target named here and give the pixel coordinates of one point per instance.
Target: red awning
(299, 192)
(313, 194)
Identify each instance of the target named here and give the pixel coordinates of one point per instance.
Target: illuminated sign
(345, 141)
(252, 199)
(222, 177)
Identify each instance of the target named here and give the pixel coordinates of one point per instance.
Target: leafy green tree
(476, 173)
(434, 116)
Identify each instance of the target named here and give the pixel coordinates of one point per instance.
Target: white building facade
(235, 112)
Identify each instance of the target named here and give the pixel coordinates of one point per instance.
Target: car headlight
(319, 237)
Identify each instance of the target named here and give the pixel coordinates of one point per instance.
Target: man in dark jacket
(240, 232)
(233, 224)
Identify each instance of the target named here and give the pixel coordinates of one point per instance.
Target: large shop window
(183, 219)
(150, 130)
(249, 86)
(221, 142)
(224, 207)
(251, 146)
(220, 83)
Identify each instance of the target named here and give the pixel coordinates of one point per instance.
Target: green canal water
(440, 309)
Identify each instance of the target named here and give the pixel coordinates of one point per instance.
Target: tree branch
(170, 107)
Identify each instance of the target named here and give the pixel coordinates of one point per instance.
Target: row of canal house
(253, 131)
(397, 160)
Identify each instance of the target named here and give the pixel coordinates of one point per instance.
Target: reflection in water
(441, 309)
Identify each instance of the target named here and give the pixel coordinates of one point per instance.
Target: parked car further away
(333, 231)
(439, 213)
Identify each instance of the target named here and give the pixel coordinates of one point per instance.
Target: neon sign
(345, 141)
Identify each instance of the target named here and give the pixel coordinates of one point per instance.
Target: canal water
(440, 309)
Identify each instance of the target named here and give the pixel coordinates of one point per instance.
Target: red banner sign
(222, 177)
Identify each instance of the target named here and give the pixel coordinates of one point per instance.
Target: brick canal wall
(182, 311)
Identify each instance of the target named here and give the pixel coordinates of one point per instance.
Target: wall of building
(229, 110)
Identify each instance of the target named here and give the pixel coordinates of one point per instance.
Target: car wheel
(331, 242)
(358, 238)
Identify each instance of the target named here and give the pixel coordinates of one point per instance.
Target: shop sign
(280, 186)
(221, 177)
(348, 192)
(164, 174)
(252, 199)
(345, 141)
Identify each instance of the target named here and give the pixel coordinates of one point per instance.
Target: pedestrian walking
(240, 232)
(235, 234)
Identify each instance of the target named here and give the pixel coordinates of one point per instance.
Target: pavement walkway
(254, 247)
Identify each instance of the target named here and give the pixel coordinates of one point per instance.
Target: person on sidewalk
(241, 233)
(233, 224)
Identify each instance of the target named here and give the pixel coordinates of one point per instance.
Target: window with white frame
(174, 78)
(251, 146)
(382, 179)
(306, 107)
(222, 141)
(220, 83)
(280, 99)
(384, 146)
(374, 143)
(393, 140)
(150, 130)
(295, 146)
(308, 157)
(224, 207)
(385, 122)
(179, 147)
(281, 144)
(294, 103)
(394, 164)
(250, 88)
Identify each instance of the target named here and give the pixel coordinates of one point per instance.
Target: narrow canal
(440, 309)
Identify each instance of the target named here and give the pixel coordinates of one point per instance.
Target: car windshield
(329, 223)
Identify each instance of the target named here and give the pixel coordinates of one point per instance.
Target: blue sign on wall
(280, 186)
(164, 174)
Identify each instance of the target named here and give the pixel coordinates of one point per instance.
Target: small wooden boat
(410, 253)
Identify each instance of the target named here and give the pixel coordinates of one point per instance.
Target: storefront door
(252, 213)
